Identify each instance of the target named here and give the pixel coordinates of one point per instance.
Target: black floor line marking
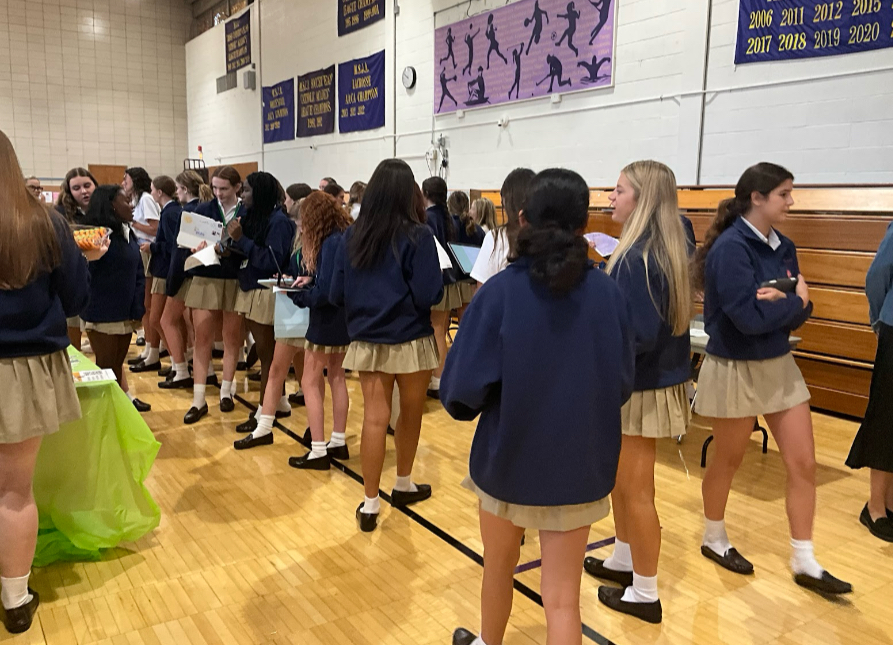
(464, 549)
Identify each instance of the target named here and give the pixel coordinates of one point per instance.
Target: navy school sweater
(32, 319)
(548, 375)
(689, 235)
(462, 236)
(328, 322)
(177, 272)
(390, 303)
(740, 326)
(662, 359)
(263, 261)
(117, 283)
(165, 240)
(437, 221)
(229, 265)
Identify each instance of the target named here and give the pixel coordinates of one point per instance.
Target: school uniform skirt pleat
(656, 414)
(159, 286)
(406, 358)
(212, 294)
(146, 257)
(873, 445)
(452, 298)
(730, 389)
(325, 349)
(292, 342)
(120, 328)
(467, 291)
(256, 305)
(183, 291)
(38, 396)
(75, 321)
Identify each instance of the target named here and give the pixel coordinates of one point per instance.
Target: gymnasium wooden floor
(252, 552)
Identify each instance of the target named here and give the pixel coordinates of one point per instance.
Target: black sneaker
(881, 528)
(366, 521)
(19, 619)
(650, 612)
(401, 498)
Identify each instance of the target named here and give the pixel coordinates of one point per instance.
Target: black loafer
(405, 498)
(341, 453)
(18, 620)
(252, 442)
(827, 584)
(463, 637)
(227, 404)
(650, 612)
(434, 394)
(307, 438)
(141, 406)
(163, 353)
(146, 367)
(182, 384)
(254, 376)
(296, 398)
(304, 463)
(195, 414)
(164, 372)
(390, 431)
(283, 414)
(213, 381)
(241, 366)
(732, 560)
(366, 521)
(881, 528)
(251, 358)
(135, 361)
(217, 353)
(248, 426)
(140, 341)
(597, 568)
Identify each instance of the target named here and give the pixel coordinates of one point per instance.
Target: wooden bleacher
(837, 230)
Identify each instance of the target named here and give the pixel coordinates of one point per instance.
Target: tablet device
(465, 256)
(785, 285)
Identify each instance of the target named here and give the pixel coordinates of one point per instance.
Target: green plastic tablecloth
(88, 483)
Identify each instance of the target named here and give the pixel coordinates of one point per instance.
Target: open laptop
(464, 256)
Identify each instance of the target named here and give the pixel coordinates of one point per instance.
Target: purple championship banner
(524, 50)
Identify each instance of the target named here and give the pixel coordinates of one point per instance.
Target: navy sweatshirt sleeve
(336, 286)
(633, 282)
(422, 271)
(261, 262)
(318, 293)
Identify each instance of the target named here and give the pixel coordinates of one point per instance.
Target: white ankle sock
(803, 559)
(151, 355)
(15, 592)
(129, 395)
(258, 413)
(198, 395)
(264, 426)
(405, 485)
(161, 346)
(621, 559)
(181, 371)
(145, 353)
(643, 589)
(372, 505)
(189, 353)
(317, 450)
(226, 390)
(338, 439)
(715, 537)
(211, 369)
(478, 641)
(434, 383)
(219, 346)
(283, 405)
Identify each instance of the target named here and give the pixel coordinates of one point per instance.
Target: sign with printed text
(279, 112)
(353, 15)
(195, 229)
(791, 29)
(238, 42)
(316, 102)
(361, 97)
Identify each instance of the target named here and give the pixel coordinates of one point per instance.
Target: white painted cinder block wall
(827, 119)
(94, 81)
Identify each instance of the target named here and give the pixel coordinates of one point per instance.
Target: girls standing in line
(545, 451)
(117, 286)
(873, 446)
(467, 232)
(262, 238)
(749, 369)
(43, 279)
(483, 212)
(387, 277)
(651, 267)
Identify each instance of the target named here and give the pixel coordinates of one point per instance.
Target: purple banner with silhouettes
(524, 50)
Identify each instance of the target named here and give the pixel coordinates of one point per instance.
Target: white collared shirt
(773, 240)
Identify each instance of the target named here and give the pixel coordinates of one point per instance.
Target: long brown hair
(762, 178)
(321, 215)
(66, 199)
(30, 246)
(514, 198)
(195, 185)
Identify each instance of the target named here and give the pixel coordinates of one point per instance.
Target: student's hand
(770, 293)
(96, 254)
(302, 282)
(145, 247)
(202, 245)
(802, 290)
(234, 230)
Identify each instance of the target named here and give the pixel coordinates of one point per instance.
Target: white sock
(803, 559)
(219, 346)
(338, 439)
(644, 589)
(405, 485)
(211, 368)
(242, 354)
(478, 641)
(151, 355)
(145, 353)
(189, 353)
(129, 395)
(283, 405)
(372, 505)
(198, 395)
(226, 390)
(161, 346)
(434, 383)
(317, 450)
(264, 426)
(715, 537)
(621, 559)
(15, 592)
(181, 371)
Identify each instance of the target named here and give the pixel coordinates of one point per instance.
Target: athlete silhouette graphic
(537, 20)
(494, 44)
(604, 6)
(476, 92)
(449, 43)
(593, 68)
(516, 58)
(469, 40)
(555, 72)
(571, 16)
(445, 90)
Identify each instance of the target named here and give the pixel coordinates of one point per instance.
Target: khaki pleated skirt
(212, 294)
(159, 286)
(467, 291)
(542, 518)
(730, 389)
(120, 328)
(146, 257)
(292, 342)
(38, 396)
(256, 305)
(656, 414)
(326, 349)
(74, 321)
(183, 291)
(406, 358)
(452, 298)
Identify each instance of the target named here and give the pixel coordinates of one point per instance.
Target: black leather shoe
(227, 404)
(182, 384)
(146, 367)
(164, 372)
(341, 453)
(140, 341)
(254, 376)
(597, 568)
(366, 521)
(135, 361)
(881, 528)
(731, 560)
(434, 394)
(827, 584)
(18, 620)
(163, 353)
(213, 381)
(304, 463)
(296, 398)
(463, 637)
(251, 442)
(403, 498)
(141, 406)
(283, 414)
(241, 366)
(390, 431)
(248, 426)
(195, 414)
(217, 353)
(308, 438)
(650, 612)
(251, 358)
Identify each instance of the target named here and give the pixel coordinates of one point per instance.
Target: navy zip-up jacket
(229, 265)
(662, 359)
(32, 319)
(548, 375)
(390, 303)
(462, 236)
(165, 240)
(117, 283)
(258, 261)
(328, 322)
(740, 326)
(436, 220)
